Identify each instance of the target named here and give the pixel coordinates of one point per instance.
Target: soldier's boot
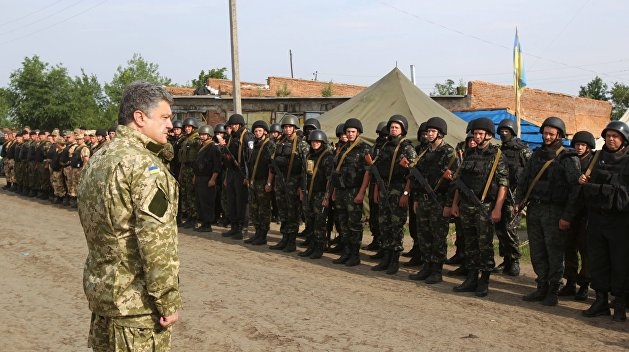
(374, 245)
(251, 239)
(599, 307)
(308, 230)
(241, 233)
(317, 253)
(538, 295)
(58, 200)
(379, 254)
(308, 251)
(291, 243)
(412, 252)
(513, 269)
(7, 186)
(307, 241)
(344, 257)
(482, 288)
(32, 193)
(436, 274)
(354, 255)
(620, 308)
(384, 261)
(40, 195)
(460, 271)
(189, 223)
(281, 244)
(456, 259)
(423, 274)
(582, 294)
(416, 260)
(394, 264)
(569, 289)
(66, 201)
(73, 202)
(338, 248)
(552, 297)
(470, 284)
(500, 267)
(229, 233)
(261, 238)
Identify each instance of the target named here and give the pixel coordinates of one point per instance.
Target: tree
(218, 73)
(619, 97)
(6, 118)
(446, 88)
(89, 103)
(595, 89)
(328, 90)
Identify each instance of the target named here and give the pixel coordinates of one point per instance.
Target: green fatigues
(318, 181)
(374, 221)
(188, 154)
(260, 201)
(236, 171)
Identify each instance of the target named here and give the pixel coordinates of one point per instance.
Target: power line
(42, 19)
(29, 14)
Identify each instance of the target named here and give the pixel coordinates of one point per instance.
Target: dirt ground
(245, 298)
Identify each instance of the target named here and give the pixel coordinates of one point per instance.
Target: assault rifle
(245, 173)
(424, 183)
(304, 181)
(279, 175)
(470, 195)
(379, 181)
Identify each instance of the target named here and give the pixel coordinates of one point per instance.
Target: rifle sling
(491, 175)
(255, 165)
(316, 168)
(292, 156)
(539, 174)
(354, 144)
(597, 154)
(397, 149)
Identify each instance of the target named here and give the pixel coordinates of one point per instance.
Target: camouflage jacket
(127, 203)
(390, 170)
(476, 168)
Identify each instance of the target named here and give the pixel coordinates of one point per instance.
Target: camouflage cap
(68, 134)
(55, 132)
(60, 140)
(79, 135)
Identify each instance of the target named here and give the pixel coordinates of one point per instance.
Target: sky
(565, 43)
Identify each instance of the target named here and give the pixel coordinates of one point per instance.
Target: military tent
(392, 94)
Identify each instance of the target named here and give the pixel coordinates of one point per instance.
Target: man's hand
(166, 322)
(564, 225)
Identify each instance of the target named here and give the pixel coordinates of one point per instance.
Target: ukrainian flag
(519, 76)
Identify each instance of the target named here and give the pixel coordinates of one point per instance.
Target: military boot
(378, 255)
(470, 284)
(374, 245)
(482, 288)
(354, 255)
(261, 238)
(281, 244)
(339, 248)
(308, 251)
(229, 233)
(460, 271)
(7, 186)
(189, 223)
(416, 260)
(552, 298)
(291, 243)
(423, 273)
(394, 264)
(599, 307)
(513, 269)
(241, 232)
(582, 294)
(73, 202)
(436, 274)
(345, 256)
(66, 201)
(412, 252)
(456, 259)
(384, 261)
(569, 289)
(538, 295)
(32, 193)
(251, 239)
(620, 308)
(318, 250)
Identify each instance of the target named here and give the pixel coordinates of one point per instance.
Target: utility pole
(290, 54)
(235, 62)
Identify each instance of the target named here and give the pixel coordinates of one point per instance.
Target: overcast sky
(565, 43)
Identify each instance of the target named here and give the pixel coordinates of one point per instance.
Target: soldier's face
(155, 123)
(431, 135)
(258, 132)
(351, 134)
(613, 140)
(188, 129)
(479, 136)
(177, 131)
(581, 148)
(549, 135)
(288, 129)
(315, 145)
(204, 137)
(395, 130)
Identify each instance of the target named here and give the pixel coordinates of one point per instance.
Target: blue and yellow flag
(519, 76)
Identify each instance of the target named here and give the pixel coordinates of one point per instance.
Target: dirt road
(242, 298)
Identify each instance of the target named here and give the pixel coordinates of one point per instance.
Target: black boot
(423, 274)
(513, 269)
(281, 244)
(253, 238)
(538, 295)
(374, 245)
(582, 294)
(384, 261)
(482, 288)
(599, 307)
(73, 203)
(501, 266)
(354, 255)
(344, 256)
(569, 289)
(416, 260)
(318, 250)
(379, 254)
(394, 264)
(436, 274)
(291, 244)
(470, 284)
(411, 253)
(460, 271)
(338, 248)
(307, 241)
(456, 259)
(620, 308)
(241, 232)
(229, 233)
(261, 238)
(308, 252)
(552, 298)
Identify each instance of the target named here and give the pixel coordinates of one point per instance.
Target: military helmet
(99, 132)
(509, 125)
(401, 120)
(422, 129)
(276, 127)
(312, 123)
(468, 136)
(437, 123)
(190, 121)
(206, 129)
(469, 127)
(382, 127)
(290, 120)
(619, 127)
(482, 123)
(353, 123)
(177, 124)
(556, 123)
(219, 128)
(236, 119)
(260, 124)
(340, 130)
(318, 135)
(583, 137)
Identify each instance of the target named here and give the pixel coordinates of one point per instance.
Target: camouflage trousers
(392, 218)
(58, 183)
(260, 205)
(43, 175)
(374, 222)
(479, 236)
(33, 181)
(223, 192)
(19, 173)
(188, 195)
(546, 240)
(506, 231)
(432, 229)
(288, 205)
(113, 335)
(317, 216)
(76, 177)
(349, 216)
(9, 170)
(577, 250)
(68, 174)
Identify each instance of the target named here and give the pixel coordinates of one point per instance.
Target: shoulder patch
(153, 169)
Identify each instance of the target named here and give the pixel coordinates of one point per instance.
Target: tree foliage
(595, 89)
(449, 88)
(618, 95)
(200, 81)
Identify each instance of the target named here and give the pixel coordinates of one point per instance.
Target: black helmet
(340, 130)
(206, 129)
(290, 120)
(382, 127)
(260, 124)
(468, 129)
(236, 119)
(276, 127)
(312, 123)
(619, 127)
(177, 124)
(468, 136)
(401, 120)
(353, 123)
(318, 135)
(422, 129)
(101, 132)
(437, 123)
(509, 125)
(556, 123)
(583, 137)
(482, 123)
(191, 122)
(219, 128)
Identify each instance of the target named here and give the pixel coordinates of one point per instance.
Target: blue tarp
(529, 133)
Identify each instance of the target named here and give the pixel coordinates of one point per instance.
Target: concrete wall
(297, 88)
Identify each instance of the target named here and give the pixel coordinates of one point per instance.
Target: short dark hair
(143, 96)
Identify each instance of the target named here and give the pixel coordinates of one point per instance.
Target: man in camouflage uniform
(516, 154)
(66, 163)
(28, 154)
(187, 155)
(8, 156)
(18, 182)
(383, 133)
(56, 170)
(127, 207)
(481, 188)
(431, 200)
(286, 173)
(80, 157)
(275, 133)
(43, 166)
(100, 140)
(551, 208)
(220, 138)
(207, 167)
(350, 182)
(392, 191)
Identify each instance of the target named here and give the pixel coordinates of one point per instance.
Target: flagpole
(519, 78)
